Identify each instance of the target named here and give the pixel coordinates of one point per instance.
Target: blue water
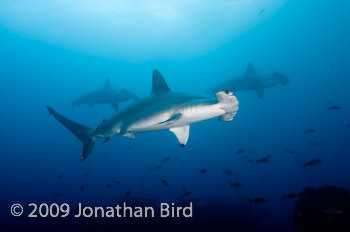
(307, 41)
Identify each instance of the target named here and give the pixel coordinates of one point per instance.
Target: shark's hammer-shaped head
(283, 78)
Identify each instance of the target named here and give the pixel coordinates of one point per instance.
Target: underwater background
(50, 55)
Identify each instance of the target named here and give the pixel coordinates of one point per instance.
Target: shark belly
(186, 116)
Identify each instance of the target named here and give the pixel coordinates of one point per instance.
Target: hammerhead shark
(163, 109)
(106, 95)
(251, 80)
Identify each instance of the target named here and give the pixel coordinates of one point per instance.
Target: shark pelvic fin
(158, 84)
(107, 84)
(250, 69)
(182, 134)
(260, 93)
(83, 133)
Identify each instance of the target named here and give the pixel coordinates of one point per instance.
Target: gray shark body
(252, 81)
(106, 95)
(163, 109)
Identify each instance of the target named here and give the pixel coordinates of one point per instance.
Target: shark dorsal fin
(250, 69)
(159, 85)
(107, 84)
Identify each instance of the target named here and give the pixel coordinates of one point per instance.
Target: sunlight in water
(136, 30)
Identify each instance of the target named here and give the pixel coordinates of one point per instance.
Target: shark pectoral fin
(173, 118)
(115, 106)
(129, 135)
(260, 93)
(181, 134)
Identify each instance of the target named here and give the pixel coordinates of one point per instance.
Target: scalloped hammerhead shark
(163, 109)
(106, 95)
(252, 80)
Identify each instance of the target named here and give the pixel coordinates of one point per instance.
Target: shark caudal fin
(227, 102)
(82, 132)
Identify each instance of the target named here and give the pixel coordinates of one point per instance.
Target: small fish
(240, 151)
(333, 210)
(250, 161)
(264, 160)
(129, 148)
(164, 182)
(165, 159)
(308, 131)
(227, 172)
(290, 196)
(289, 151)
(116, 181)
(158, 167)
(82, 188)
(127, 194)
(257, 201)
(236, 184)
(185, 194)
(316, 143)
(312, 163)
(334, 108)
(266, 214)
(203, 171)
(86, 174)
(60, 177)
(57, 194)
(262, 11)
(108, 186)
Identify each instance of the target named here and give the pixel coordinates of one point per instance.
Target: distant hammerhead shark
(252, 81)
(106, 95)
(163, 109)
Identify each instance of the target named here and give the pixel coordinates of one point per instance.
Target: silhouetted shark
(163, 109)
(106, 95)
(252, 81)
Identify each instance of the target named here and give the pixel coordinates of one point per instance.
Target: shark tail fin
(83, 133)
(229, 103)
